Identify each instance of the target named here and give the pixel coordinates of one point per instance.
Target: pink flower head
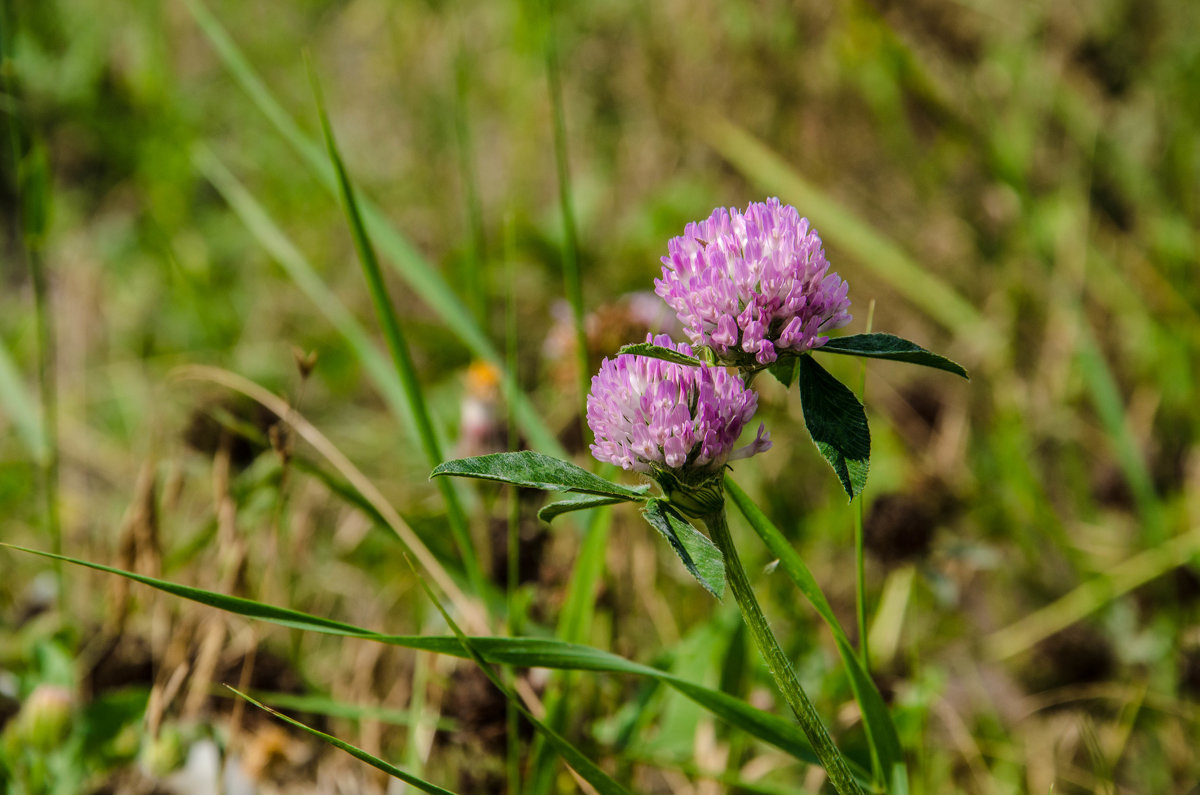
(649, 413)
(756, 282)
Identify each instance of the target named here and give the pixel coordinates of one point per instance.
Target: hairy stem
(777, 662)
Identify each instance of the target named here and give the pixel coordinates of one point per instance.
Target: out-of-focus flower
(649, 414)
(482, 427)
(753, 283)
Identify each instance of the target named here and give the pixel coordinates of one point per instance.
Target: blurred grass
(1015, 187)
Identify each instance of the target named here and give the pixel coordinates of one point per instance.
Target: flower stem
(860, 590)
(860, 576)
(777, 662)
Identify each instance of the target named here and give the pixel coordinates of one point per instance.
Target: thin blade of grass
(585, 767)
(839, 225)
(411, 266)
(398, 345)
(300, 271)
(572, 279)
(1106, 396)
(1143, 567)
(881, 732)
(522, 652)
(353, 750)
(333, 708)
(474, 274)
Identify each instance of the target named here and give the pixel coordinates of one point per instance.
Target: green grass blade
(589, 770)
(572, 279)
(333, 708)
(1106, 396)
(412, 267)
(522, 652)
(353, 750)
(840, 226)
(20, 407)
(401, 357)
(300, 271)
(1122, 578)
(881, 732)
(474, 274)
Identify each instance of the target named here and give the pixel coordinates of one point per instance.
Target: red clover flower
(651, 415)
(757, 282)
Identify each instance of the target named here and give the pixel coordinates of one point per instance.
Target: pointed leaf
(699, 555)
(354, 751)
(889, 346)
(579, 502)
(659, 352)
(784, 370)
(536, 471)
(837, 423)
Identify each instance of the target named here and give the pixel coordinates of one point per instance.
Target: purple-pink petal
(648, 412)
(735, 276)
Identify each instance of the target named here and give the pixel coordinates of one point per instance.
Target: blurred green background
(1016, 186)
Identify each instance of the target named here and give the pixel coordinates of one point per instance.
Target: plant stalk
(860, 573)
(777, 662)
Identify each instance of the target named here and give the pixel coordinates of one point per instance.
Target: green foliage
(837, 423)
(702, 560)
(580, 502)
(536, 471)
(889, 346)
(658, 352)
(525, 652)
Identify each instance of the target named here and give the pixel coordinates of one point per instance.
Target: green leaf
(659, 352)
(354, 751)
(784, 370)
(523, 652)
(881, 731)
(579, 502)
(699, 555)
(837, 423)
(536, 471)
(889, 346)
